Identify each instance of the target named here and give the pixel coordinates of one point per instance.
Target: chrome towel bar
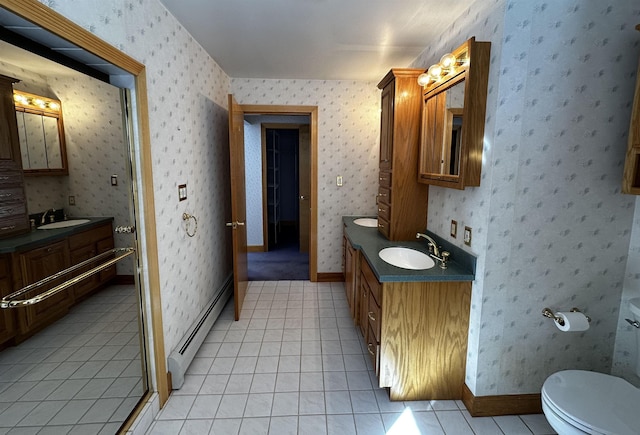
(10, 301)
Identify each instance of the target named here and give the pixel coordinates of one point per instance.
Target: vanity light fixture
(448, 64)
(25, 100)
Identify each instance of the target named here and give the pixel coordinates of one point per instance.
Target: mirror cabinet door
(53, 146)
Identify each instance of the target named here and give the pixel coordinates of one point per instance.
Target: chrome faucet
(434, 251)
(44, 215)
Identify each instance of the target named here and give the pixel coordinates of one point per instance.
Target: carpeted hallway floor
(283, 262)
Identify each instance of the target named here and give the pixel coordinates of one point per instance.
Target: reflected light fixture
(25, 100)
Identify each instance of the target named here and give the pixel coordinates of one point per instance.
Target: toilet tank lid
(603, 403)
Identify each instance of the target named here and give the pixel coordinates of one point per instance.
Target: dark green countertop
(38, 238)
(369, 241)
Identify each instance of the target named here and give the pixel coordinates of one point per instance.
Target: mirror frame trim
(64, 169)
(476, 77)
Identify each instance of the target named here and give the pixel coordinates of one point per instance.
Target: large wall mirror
(41, 134)
(453, 114)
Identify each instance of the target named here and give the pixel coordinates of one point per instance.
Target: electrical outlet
(454, 228)
(114, 180)
(467, 236)
(339, 181)
(72, 200)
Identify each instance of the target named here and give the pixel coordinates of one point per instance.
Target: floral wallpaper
(550, 226)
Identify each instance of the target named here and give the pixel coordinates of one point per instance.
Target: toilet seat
(593, 402)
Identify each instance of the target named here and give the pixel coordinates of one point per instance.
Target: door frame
(263, 139)
(312, 112)
(59, 25)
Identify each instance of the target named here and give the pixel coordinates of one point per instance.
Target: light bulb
(434, 71)
(423, 79)
(53, 106)
(448, 61)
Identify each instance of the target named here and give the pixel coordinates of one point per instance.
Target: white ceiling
(314, 39)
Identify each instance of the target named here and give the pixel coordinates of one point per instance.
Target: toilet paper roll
(573, 322)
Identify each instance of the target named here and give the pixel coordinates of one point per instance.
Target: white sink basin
(366, 222)
(63, 224)
(407, 258)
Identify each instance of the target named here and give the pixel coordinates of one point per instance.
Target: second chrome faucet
(434, 250)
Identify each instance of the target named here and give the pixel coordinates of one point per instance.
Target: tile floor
(295, 364)
(81, 375)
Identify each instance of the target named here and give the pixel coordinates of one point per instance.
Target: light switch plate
(72, 200)
(339, 181)
(467, 236)
(182, 192)
(454, 228)
(114, 180)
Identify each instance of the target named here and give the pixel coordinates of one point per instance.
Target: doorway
(281, 251)
(304, 119)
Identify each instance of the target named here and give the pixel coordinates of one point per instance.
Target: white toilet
(583, 402)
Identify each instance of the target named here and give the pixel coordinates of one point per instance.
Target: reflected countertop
(37, 238)
(369, 241)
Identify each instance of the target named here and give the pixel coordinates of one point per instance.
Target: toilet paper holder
(546, 312)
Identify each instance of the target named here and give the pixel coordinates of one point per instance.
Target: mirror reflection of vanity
(41, 134)
(453, 116)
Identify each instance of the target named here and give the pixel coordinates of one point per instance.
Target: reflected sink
(407, 258)
(63, 224)
(366, 222)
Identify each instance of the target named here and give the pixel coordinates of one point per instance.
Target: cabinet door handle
(6, 195)
(370, 316)
(369, 349)
(10, 227)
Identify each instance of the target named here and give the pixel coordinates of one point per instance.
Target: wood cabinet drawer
(384, 211)
(14, 225)
(11, 195)
(384, 179)
(383, 226)
(90, 236)
(384, 195)
(374, 286)
(10, 177)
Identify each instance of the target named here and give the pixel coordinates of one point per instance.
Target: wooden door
(238, 204)
(304, 186)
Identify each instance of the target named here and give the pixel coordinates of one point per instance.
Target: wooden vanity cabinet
(13, 210)
(6, 287)
(402, 201)
(21, 268)
(32, 266)
(416, 335)
(351, 276)
(86, 245)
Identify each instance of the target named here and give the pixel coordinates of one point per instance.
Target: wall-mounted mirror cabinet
(41, 134)
(453, 116)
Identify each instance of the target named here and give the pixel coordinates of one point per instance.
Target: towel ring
(187, 217)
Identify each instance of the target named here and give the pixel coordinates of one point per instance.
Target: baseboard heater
(180, 359)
